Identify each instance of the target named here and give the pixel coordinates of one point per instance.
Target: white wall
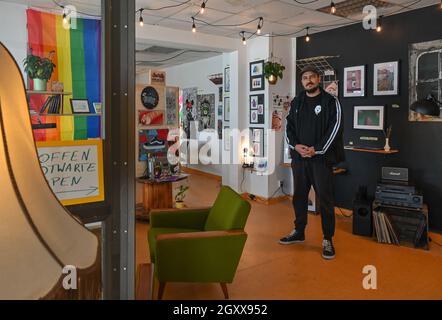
(195, 74)
(13, 32)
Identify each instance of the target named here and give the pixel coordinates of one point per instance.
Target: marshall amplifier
(395, 174)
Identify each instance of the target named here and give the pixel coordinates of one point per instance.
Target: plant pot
(40, 84)
(179, 204)
(273, 79)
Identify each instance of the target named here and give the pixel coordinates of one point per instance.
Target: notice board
(73, 169)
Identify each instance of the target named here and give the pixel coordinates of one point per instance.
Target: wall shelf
(55, 93)
(380, 151)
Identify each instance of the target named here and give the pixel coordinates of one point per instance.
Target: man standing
(314, 134)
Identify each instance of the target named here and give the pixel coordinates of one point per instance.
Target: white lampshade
(38, 236)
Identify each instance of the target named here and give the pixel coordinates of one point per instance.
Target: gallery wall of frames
(377, 72)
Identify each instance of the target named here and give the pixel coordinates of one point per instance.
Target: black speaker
(362, 217)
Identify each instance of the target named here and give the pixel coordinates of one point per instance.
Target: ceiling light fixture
(141, 18)
(332, 8)
(203, 7)
(379, 24)
(193, 25)
(261, 23)
(307, 36)
(244, 41)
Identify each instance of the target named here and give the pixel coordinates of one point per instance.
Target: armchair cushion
(154, 232)
(229, 212)
(194, 218)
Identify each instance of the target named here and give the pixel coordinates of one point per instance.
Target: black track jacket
(331, 127)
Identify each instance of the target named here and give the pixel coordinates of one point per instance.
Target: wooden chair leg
(161, 290)
(152, 281)
(225, 291)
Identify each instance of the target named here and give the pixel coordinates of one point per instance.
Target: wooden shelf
(371, 150)
(55, 93)
(66, 114)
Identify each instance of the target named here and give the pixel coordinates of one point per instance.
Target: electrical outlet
(281, 183)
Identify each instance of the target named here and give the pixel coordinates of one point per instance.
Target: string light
(141, 18)
(379, 25)
(203, 7)
(307, 36)
(332, 8)
(193, 25)
(244, 42)
(260, 24)
(65, 18)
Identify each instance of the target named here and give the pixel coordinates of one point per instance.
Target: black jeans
(317, 173)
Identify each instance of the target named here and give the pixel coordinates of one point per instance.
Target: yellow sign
(73, 169)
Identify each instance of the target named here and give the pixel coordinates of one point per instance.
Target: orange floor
(270, 271)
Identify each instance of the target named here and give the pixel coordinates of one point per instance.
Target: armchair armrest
(192, 218)
(211, 256)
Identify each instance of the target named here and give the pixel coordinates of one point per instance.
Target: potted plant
(179, 197)
(40, 70)
(273, 71)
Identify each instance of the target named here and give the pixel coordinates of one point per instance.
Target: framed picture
(256, 74)
(257, 141)
(97, 107)
(368, 117)
(227, 138)
(354, 81)
(80, 106)
(257, 110)
(227, 79)
(172, 106)
(386, 78)
(150, 118)
(158, 77)
(227, 109)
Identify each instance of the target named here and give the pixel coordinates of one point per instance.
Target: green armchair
(198, 245)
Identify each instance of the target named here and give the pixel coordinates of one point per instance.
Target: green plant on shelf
(39, 68)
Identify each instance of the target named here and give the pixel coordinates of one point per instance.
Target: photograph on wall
(256, 75)
(227, 79)
(150, 118)
(206, 111)
(425, 74)
(386, 78)
(220, 129)
(257, 141)
(331, 87)
(368, 117)
(257, 109)
(220, 110)
(226, 138)
(354, 81)
(220, 94)
(189, 113)
(227, 109)
(172, 102)
(153, 142)
(277, 120)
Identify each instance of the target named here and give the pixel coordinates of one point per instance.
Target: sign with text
(73, 169)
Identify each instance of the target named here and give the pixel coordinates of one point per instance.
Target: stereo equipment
(394, 174)
(399, 195)
(362, 214)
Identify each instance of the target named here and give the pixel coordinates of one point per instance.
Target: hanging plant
(273, 71)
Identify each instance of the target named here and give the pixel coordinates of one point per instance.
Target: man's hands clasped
(304, 151)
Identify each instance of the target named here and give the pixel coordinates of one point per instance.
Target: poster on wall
(425, 75)
(227, 80)
(172, 102)
(220, 129)
(189, 108)
(158, 77)
(354, 81)
(386, 78)
(277, 120)
(256, 75)
(227, 138)
(206, 111)
(150, 118)
(227, 109)
(153, 142)
(257, 142)
(257, 109)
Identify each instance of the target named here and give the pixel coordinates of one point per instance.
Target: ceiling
(280, 17)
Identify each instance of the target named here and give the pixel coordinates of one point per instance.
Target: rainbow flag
(77, 56)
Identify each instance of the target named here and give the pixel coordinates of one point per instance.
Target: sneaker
(328, 251)
(293, 237)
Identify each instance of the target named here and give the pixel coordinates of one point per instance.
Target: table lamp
(428, 106)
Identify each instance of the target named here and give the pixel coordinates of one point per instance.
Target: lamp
(428, 106)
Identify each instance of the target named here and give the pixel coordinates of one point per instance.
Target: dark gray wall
(420, 144)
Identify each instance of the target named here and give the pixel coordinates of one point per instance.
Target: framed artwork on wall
(172, 105)
(227, 109)
(257, 109)
(256, 75)
(368, 117)
(257, 141)
(80, 106)
(227, 79)
(386, 78)
(354, 81)
(227, 138)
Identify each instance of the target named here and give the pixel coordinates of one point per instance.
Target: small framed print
(257, 84)
(80, 106)
(227, 138)
(354, 81)
(257, 68)
(227, 109)
(386, 78)
(368, 117)
(257, 109)
(97, 107)
(256, 75)
(257, 141)
(227, 79)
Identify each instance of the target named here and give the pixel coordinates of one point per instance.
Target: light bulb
(193, 26)
(65, 18)
(141, 21)
(333, 8)
(203, 7)
(307, 38)
(259, 30)
(379, 26)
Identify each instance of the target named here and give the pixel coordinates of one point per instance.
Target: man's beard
(312, 90)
